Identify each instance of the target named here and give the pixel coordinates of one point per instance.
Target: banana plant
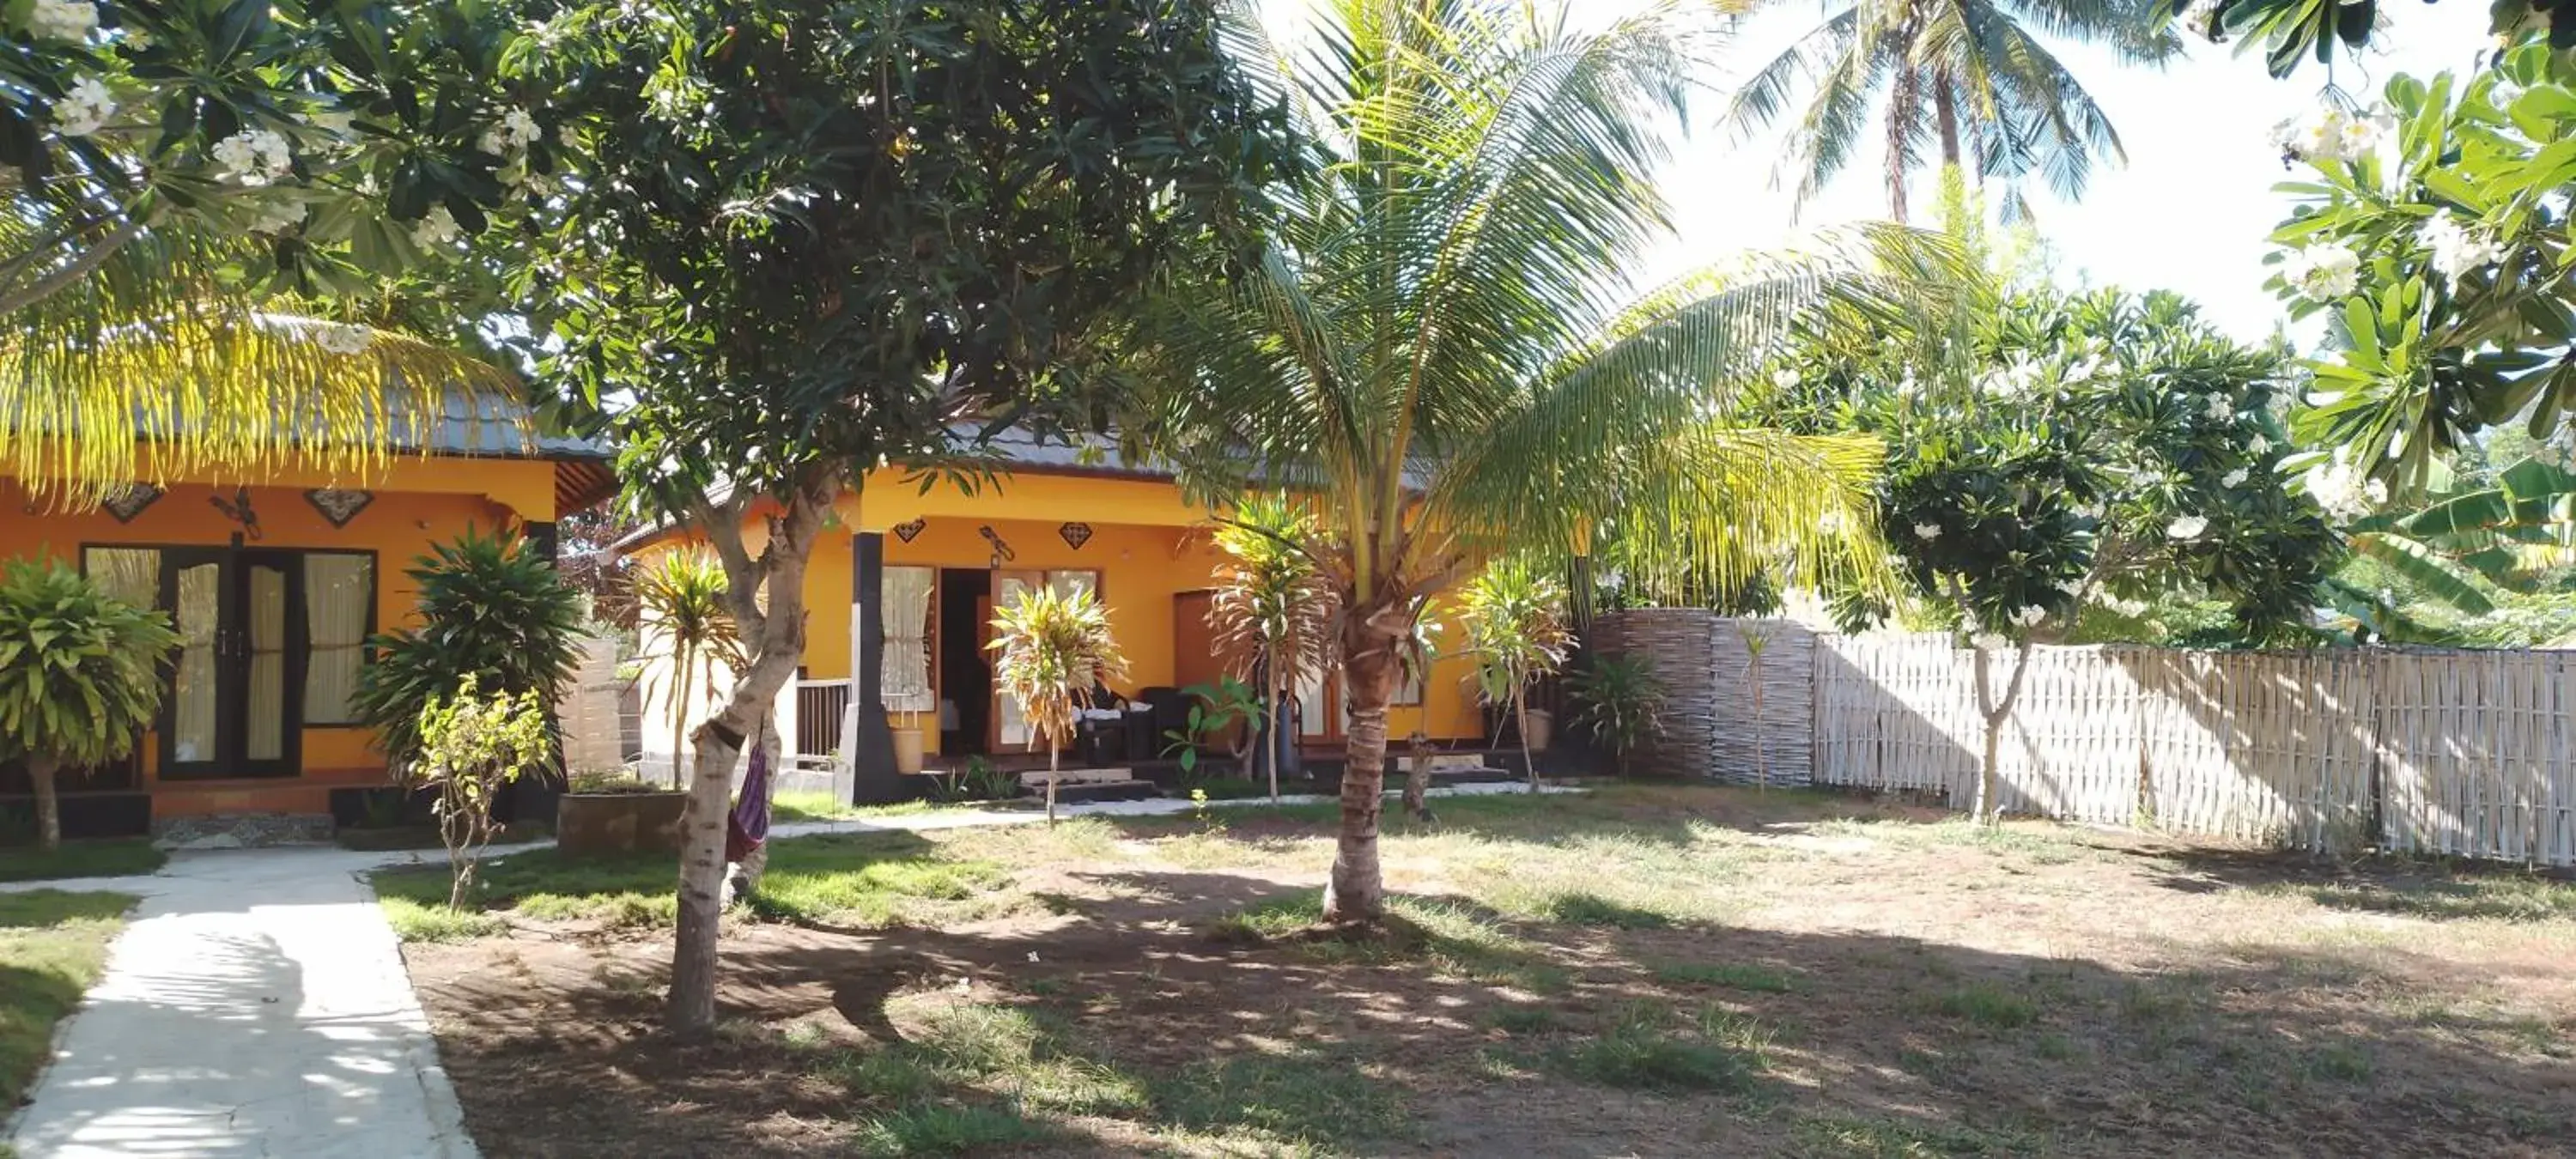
(2462, 541)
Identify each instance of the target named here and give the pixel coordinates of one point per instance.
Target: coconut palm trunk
(1370, 673)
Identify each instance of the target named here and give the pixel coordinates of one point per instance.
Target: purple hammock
(748, 825)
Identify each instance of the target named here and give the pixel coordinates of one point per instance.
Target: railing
(818, 716)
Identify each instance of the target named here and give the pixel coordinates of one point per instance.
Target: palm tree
(1440, 348)
(1272, 612)
(683, 600)
(1052, 649)
(1965, 76)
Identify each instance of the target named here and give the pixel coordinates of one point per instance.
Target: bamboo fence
(2461, 753)
(1715, 724)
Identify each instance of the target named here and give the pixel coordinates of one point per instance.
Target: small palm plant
(1272, 613)
(1620, 701)
(80, 677)
(684, 600)
(1515, 626)
(1051, 649)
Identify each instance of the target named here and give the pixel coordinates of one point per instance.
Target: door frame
(232, 664)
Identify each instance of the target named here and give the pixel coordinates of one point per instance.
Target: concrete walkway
(257, 1005)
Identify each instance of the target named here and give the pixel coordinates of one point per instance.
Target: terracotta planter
(602, 824)
(1542, 724)
(907, 751)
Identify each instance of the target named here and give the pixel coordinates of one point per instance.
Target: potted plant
(80, 677)
(908, 743)
(1620, 702)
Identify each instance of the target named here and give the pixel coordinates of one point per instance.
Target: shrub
(80, 676)
(489, 610)
(471, 747)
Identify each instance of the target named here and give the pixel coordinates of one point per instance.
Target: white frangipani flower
(1785, 378)
(1991, 642)
(62, 19)
(2221, 408)
(2070, 586)
(254, 156)
(2457, 251)
(515, 132)
(344, 340)
(2186, 527)
(2323, 272)
(85, 108)
(2338, 487)
(2335, 134)
(278, 216)
(2259, 445)
(436, 229)
(1927, 532)
(2030, 616)
(2235, 478)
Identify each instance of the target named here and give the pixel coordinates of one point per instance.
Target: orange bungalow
(905, 599)
(274, 578)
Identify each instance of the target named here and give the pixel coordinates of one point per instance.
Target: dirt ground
(1646, 971)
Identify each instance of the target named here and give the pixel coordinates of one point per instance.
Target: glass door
(235, 701)
(1010, 728)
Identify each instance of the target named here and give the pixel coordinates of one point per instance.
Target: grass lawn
(52, 947)
(114, 857)
(1644, 970)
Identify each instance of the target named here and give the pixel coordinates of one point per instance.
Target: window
(131, 574)
(339, 611)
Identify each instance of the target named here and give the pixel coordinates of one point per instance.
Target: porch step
(1037, 778)
(1076, 792)
(1444, 763)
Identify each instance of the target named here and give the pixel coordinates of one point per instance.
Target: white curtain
(131, 574)
(337, 592)
(905, 669)
(1067, 583)
(266, 729)
(193, 732)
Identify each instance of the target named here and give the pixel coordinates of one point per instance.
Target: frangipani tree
(813, 237)
(1049, 652)
(187, 180)
(1442, 347)
(2433, 238)
(2085, 451)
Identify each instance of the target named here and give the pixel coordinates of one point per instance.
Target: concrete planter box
(599, 824)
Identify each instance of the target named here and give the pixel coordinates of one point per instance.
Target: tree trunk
(1904, 100)
(1417, 780)
(1370, 673)
(1945, 113)
(1994, 712)
(1520, 720)
(679, 708)
(49, 816)
(774, 638)
(1051, 779)
(1270, 708)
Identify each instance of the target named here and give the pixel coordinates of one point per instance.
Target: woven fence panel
(1896, 713)
(1740, 697)
(2475, 756)
(587, 707)
(2268, 747)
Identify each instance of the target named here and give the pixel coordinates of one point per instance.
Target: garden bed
(1653, 971)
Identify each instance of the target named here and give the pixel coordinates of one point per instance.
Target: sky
(2189, 211)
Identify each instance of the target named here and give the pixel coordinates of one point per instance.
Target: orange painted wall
(417, 503)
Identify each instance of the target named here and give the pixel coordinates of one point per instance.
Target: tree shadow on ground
(1153, 1024)
(2431, 888)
